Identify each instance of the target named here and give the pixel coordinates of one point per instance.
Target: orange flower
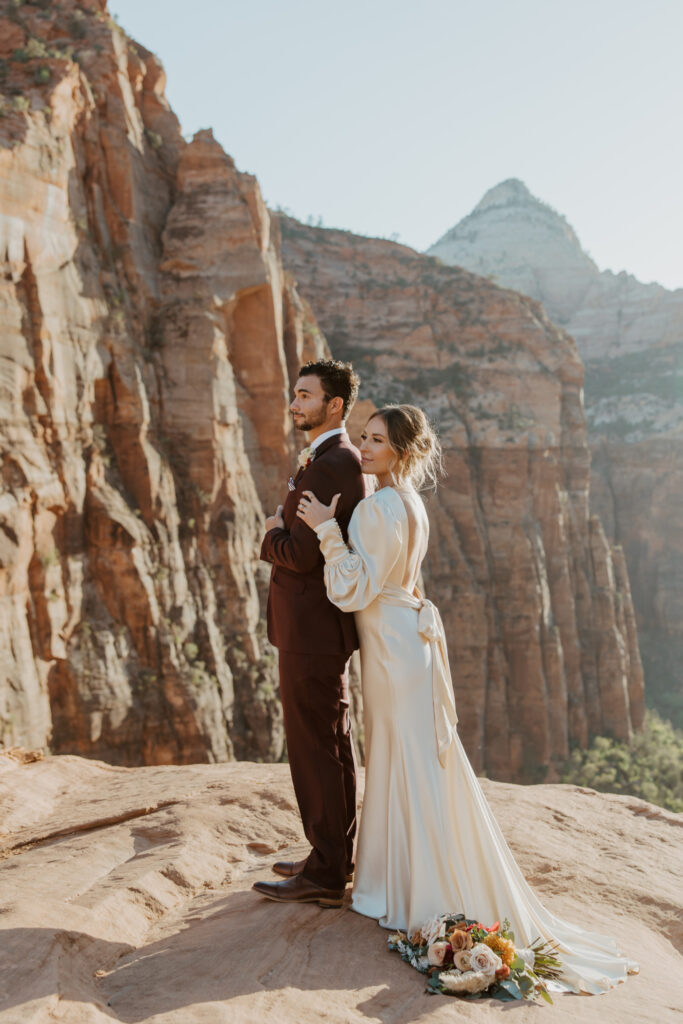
(503, 973)
(459, 939)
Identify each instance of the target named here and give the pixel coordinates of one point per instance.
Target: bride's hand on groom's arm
(313, 512)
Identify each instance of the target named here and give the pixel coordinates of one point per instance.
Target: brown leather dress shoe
(298, 889)
(289, 868)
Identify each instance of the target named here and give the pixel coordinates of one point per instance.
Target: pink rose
(484, 959)
(436, 954)
(461, 960)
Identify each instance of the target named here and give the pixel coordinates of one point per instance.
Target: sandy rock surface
(126, 896)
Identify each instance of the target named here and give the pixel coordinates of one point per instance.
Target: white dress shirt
(323, 437)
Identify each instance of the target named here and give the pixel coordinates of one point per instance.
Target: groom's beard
(313, 420)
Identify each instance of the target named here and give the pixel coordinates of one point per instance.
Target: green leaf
(525, 983)
(502, 995)
(512, 988)
(543, 992)
(517, 964)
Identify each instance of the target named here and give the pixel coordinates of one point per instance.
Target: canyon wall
(630, 337)
(148, 335)
(535, 601)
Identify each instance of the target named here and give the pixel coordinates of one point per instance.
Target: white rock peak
(523, 243)
(508, 192)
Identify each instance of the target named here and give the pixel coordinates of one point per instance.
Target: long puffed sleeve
(355, 574)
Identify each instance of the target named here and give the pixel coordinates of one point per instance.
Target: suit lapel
(289, 510)
(327, 444)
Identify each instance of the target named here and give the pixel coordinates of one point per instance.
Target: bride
(428, 841)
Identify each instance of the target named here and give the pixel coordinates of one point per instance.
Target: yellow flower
(503, 947)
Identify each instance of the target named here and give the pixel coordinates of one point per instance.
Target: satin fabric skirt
(428, 842)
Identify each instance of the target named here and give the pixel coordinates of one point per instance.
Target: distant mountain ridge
(530, 247)
(630, 337)
(526, 245)
(629, 334)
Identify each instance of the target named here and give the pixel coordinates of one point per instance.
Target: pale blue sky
(386, 117)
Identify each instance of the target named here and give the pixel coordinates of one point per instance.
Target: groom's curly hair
(339, 380)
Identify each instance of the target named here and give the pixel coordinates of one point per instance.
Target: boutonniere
(306, 457)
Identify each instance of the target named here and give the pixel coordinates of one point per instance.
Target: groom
(315, 641)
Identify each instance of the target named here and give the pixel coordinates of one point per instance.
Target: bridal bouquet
(464, 958)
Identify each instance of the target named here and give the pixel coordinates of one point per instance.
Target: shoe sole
(322, 901)
(348, 879)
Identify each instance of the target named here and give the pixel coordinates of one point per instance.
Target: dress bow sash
(430, 626)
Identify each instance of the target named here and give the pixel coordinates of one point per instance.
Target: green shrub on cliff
(651, 767)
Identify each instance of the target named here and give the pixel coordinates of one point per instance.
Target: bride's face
(376, 455)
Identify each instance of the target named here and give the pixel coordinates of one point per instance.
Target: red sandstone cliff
(630, 337)
(149, 339)
(535, 603)
(148, 333)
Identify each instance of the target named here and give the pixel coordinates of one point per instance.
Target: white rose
(304, 455)
(470, 981)
(436, 954)
(462, 960)
(482, 958)
(528, 956)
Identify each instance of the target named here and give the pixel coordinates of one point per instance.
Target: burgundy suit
(315, 640)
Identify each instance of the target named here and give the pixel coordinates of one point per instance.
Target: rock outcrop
(148, 337)
(127, 897)
(630, 336)
(525, 244)
(543, 259)
(535, 603)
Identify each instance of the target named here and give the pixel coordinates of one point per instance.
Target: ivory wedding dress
(428, 842)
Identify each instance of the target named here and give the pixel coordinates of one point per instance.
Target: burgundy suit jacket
(301, 619)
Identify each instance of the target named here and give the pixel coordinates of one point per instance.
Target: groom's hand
(276, 520)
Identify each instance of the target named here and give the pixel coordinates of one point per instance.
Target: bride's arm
(355, 573)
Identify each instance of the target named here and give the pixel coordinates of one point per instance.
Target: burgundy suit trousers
(314, 693)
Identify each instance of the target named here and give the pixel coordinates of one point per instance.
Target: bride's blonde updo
(412, 439)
